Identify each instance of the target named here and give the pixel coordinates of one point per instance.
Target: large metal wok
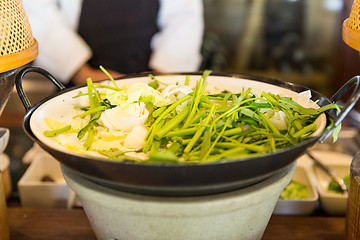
(172, 179)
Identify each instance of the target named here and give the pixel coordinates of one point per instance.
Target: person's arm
(61, 50)
(177, 47)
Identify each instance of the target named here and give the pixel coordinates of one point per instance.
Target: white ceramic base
(240, 214)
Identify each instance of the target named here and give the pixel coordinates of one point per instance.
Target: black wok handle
(352, 83)
(19, 87)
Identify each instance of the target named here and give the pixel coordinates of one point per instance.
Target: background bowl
(305, 206)
(43, 185)
(332, 203)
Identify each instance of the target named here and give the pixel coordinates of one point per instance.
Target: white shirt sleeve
(61, 50)
(177, 46)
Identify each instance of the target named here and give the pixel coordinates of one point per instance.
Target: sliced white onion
(304, 99)
(125, 118)
(173, 89)
(136, 137)
(280, 120)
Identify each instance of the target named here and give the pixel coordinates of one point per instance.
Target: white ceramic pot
(240, 214)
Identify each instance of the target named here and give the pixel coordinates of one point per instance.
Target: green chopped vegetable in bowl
(335, 187)
(294, 190)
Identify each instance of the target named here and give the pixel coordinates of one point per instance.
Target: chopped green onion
(53, 133)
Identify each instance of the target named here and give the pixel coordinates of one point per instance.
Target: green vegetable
(56, 132)
(155, 83)
(294, 190)
(335, 187)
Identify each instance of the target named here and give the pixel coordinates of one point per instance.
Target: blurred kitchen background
(294, 40)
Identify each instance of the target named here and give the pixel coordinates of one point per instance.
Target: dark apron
(119, 33)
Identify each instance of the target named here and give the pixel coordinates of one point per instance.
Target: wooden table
(62, 224)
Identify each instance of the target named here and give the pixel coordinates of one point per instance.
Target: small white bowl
(332, 203)
(37, 193)
(300, 206)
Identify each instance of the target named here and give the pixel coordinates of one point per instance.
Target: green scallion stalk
(173, 123)
(53, 133)
(182, 132)
(200, 131)
(109, 75)
(199, 90)
(150, 135)
(305, 131)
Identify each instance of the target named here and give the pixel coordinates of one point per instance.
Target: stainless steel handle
(352, 83)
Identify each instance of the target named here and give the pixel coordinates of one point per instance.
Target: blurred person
(126, 36)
